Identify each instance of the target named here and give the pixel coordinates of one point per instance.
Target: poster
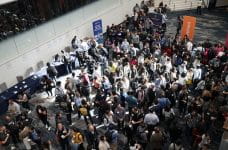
(188, 27)
(97, 31)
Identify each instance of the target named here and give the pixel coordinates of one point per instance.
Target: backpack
(83, 111)
(109, 136)
(77, 138)
(34, 136)
(85, 80)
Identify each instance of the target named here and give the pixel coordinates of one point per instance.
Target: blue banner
(156, 18)
(97, 31)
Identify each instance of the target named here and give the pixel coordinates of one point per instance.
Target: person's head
(75, 129)
(59, 115)
(193, 113)
(198, 66)
(102, 138)
(2, 128)
(91, 128)
(156, 130)
(38, 107)
(58, 84)
(60, 126)
(11, 102)
(8, 118)
(151, 110)
(83, 102)
(73, 74)
(135, 110)
(48, 64)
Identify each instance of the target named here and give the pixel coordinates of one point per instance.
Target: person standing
(120, 115)
(63, 136)
(23, 98)
(92, 137)
(51, 71)
(66, 60)
(151, 120)
(4, 138)
(179, 24)
(156, 140)
(85, 111)
(42, 114)
(199, 6)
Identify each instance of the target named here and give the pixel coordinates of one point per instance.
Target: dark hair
(102, 138)
(58, 83)
(73, 74)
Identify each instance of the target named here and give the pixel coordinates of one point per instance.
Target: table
(60, 67)
(30, 84)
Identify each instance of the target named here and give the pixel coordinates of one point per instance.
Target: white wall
(19, 53)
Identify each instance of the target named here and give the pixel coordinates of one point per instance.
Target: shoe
(29, 111)
(49, 128)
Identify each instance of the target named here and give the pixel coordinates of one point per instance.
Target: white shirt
(197, 73)
(182, 81)
(126, 84)
(103, 145)
(189, 45)
(125, 46)
(97, 73)
(141, 59)
(200, 48)
(77, 41)
(169, 66)
(126, 70)
(182, 69)
(84, 45)
(164, 18)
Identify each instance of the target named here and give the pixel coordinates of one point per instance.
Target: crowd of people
(148, 91)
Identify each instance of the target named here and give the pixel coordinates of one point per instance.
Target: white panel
(76, 18)
(90, 11)
(7, 50)
(25, 41)
(45, 32)
(61, 24)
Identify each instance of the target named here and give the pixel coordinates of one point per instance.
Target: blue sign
(156, 18)
(97, 31)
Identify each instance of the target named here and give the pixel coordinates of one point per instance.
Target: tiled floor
(211, 24)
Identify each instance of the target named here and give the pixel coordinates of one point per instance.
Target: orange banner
(188, 27)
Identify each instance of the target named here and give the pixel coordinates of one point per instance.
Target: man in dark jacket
(51, 71)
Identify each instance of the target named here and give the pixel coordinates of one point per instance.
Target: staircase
(176, 5)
